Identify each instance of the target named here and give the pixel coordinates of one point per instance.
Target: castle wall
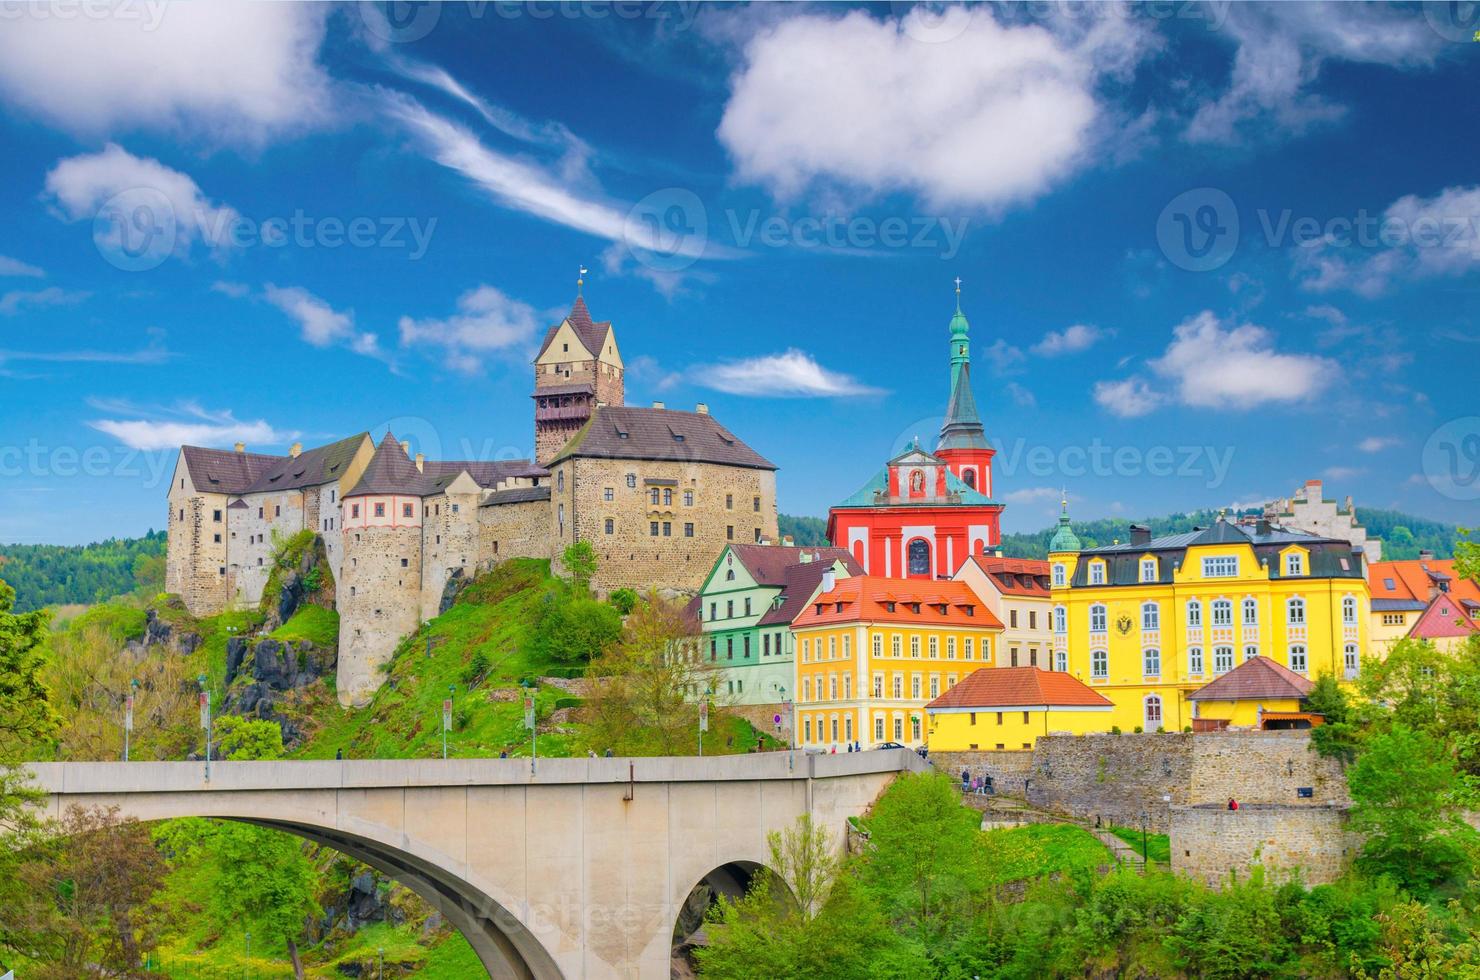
(730, 504)
(196, 551)
(1214, 843)
(519, 530)
(449, 542)
(379, 596)
(252, 528)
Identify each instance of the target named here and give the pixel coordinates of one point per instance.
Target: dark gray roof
(488, 474)
(392, 471)
(1397, 605)
(223, 470)
(1329, 557)
(800, 581)
(659, 434)
(313, 468)
(517, 495)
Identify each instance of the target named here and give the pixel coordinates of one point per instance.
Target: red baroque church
(924, 514)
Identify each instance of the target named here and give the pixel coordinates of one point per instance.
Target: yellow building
(1009, 707)
(1147, 622)
(1258, 693)
(871, 652)
(1016, 590)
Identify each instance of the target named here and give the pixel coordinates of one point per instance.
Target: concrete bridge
(577, 871)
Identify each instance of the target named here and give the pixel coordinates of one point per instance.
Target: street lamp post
(380, 956)
(205, 720)
(128, 716)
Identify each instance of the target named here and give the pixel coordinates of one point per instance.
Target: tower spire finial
(958, 294)
(580, 280)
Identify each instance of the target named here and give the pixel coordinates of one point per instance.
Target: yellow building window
(934, 648)
(915, 647)
(894, 647)
(950, 648)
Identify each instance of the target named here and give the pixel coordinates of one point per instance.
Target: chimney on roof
(1140, 534)
(420, 463)
(295, 450)
(657, 404)
(701, 409)
(829, 580)
(805, 557)
(406, 447)
(1262, 526)
(787, 541)
(240, 447)
(1425, 555)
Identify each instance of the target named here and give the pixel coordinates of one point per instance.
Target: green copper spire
(1064, 538)
(962, 428)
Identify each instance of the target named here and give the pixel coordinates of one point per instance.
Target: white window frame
(1194, 614)
(1098, 619)
(1249, 610)
(1195, 661)
(1060, 574)
(1060, 620)
(1099, 664)
(1224, 606)
(1294, 564)
(1351, 661)
(1148, 569)
(1150, 616)
(1349, 611)
(1298, 659)
(1149, 723)
(1151, 662)
(1295, 611)
(1220, 566)
(1096, 573)
(1222, 659)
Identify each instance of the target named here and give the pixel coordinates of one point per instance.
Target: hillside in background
(62, 575)
(804, 531)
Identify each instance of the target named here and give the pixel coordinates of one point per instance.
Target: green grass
(315, 624)
(1158, 846)
(1035, 850)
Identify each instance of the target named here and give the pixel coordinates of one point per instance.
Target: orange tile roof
(1007, 574)
(1012, 687)
(1257, 677)
(1411, 579)
(864, 598)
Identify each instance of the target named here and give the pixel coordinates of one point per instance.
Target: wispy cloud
(1070, 340)
(791, 374)
(185, 424)
(154, 352)
(486, 321)
(15, 267)
(236, 290)
(320, 324)
(1376, 444)
(17, 300)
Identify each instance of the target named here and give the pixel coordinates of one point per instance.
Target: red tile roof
(866, 599)
(769, 563)
(1444, 618)
(1255, 678)
(1018, 687)
(1412, 579)
(801, 581)
(1016, 576)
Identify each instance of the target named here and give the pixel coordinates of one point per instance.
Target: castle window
(655, 495)
(608, 494)
(667, 498)
(380, 510)
(407, 511)
(259, 513)
(730, 532)
(688, 530)
(653, 528)
(611, 525)
(352, 592)
(216, 516)
(182, 513)
(259, 562)
(729, 501)
(331, 495)
(354, 510)
(757, 535)
(667, 529)
(216, 538)
(405, 563)
(277, 511)
(631, 480)
(454, 508)
(756, 504)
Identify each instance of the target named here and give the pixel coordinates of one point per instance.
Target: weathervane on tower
(581, 279)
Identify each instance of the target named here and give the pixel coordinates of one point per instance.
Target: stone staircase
(1007, 811)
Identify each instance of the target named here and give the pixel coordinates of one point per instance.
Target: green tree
(623, 600)
(1404, 793)
(1340, 735)
(27, 718)
(574, 630)
(239, 738)
(148, 572)
(1467, 555)
(923, 863)
(265, 878)
(579, 559)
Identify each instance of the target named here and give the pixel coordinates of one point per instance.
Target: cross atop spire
(580, 280)
(958, 294)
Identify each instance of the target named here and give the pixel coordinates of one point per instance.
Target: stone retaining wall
(1114, 777)
(1008, 769)
(1212, 842)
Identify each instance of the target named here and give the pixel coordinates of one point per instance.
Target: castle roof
(311, 468)
(224, 470)
(592, 334)
(487, 474)
(1018, 688)
(1255, 678)
(1064, 538)
(962, 428)
(391, 471)
(517, 495)
(660, 434)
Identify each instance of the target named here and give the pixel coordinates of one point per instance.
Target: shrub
(572, 631)
(476, 669)
(623, 600)
(1138, 729)
(1114, 729)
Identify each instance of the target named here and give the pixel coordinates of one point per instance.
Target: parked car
(889, 745)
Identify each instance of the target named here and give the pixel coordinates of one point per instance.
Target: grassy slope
(1158, 846)
(1036, 850)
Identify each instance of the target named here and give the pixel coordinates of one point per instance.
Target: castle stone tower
(379, 588)
(578, 368)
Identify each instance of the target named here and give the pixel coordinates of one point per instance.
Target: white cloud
(1376, 444)
(1416, 238)
(17, 300)
(994, 117)
(320, 323)
(486, 321)
(185, 425)
(1342, 472)
(1021, 397)
(1282, 48)
(236, 290)
(792, 374)
(230, 71)
(15, 267)
(1030, 495)
(1070, 340)
(1129, 398)
(1004, 357)
(81, 185)
(154, 352)
(1212, 364)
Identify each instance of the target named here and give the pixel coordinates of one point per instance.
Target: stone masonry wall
(723, 512)
(1264, 767)
(513, 531)
(379, 604)
(1115, 777)
(1211, 842)
(195, 559)
(449, 542)
(1008, 769)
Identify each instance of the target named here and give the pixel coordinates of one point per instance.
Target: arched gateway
(579, 870)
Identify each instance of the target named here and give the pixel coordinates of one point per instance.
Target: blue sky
(1208, 252)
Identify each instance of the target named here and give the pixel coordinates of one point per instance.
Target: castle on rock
(657, 493)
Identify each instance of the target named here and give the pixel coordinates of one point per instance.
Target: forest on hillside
(56, 575)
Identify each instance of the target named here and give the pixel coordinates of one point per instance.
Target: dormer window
(1294, 563)
(969, 610)
(1097, 573)
(1148, 569)
(914, 607)
(889, 607)
(942, 608)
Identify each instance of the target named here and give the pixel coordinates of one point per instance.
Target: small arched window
(1060, 619)
(1350, 661)
(1097, 618)
(1251, 611)
(1222, 613)
(1150, 616)
(1349, 611)
(968, 477)
(1294, 563)
(1194, 615)
(1151, 662)
(1295, 612)
(1059, 575)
